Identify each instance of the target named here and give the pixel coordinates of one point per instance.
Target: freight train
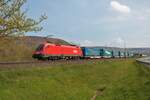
(54, 52)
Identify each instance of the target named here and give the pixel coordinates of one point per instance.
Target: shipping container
(108, 54)
(92, 52)
(96, 52)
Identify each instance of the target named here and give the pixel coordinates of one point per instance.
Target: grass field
(117, 80)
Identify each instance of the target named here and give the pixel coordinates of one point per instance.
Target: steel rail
(52, 62)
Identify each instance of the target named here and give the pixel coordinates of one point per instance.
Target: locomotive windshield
(40, 47)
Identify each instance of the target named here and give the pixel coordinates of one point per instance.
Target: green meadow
(115, 80)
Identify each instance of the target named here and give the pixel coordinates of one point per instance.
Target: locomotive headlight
(75, 51)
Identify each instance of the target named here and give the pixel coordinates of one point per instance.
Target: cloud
(120, 7)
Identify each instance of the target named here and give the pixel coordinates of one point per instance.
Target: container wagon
(92, 52)
(96, 52)
(108, 54)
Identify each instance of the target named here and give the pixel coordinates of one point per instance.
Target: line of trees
(14, 21)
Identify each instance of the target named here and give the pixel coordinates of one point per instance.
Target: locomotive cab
(39, 52)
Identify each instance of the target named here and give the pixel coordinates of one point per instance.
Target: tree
(14, 21)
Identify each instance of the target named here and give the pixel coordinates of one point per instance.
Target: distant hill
(34, 41)
(145, 51)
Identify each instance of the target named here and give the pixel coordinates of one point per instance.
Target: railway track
(23, 62)
(47, 63)
(37, 62)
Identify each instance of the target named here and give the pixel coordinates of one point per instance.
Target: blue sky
(95, 22)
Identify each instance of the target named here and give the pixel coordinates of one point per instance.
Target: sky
(116, 23)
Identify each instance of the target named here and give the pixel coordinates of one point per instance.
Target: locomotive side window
(40, 47)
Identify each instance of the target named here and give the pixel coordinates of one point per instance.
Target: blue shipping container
(91, 51)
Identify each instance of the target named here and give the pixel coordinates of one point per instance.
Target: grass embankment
(122, 80)
(12, 50)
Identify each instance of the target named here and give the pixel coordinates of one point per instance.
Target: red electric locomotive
(53, 51)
